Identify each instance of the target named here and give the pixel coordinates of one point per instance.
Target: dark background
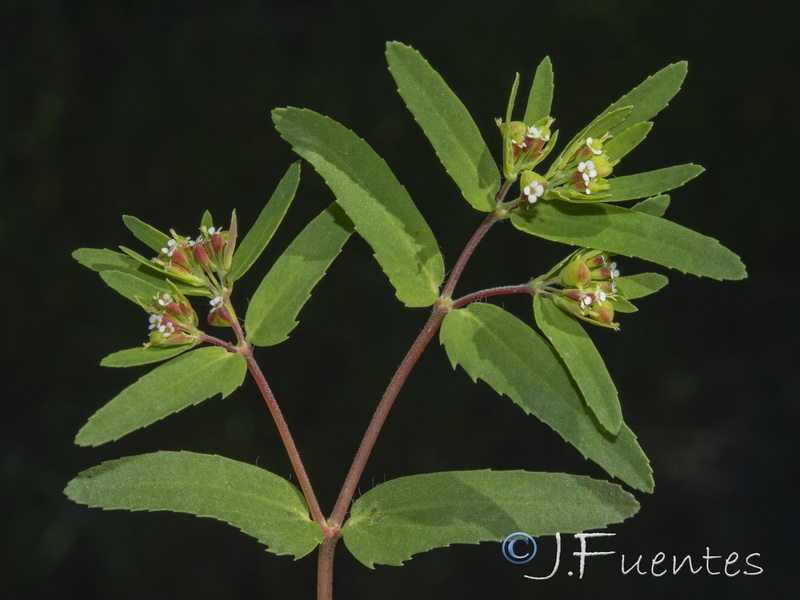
(110, 108)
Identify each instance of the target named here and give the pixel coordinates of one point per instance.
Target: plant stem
(218, 342)
(525, 288)
(325, 568)
(382, 411)
(466, 254)
(286, 436)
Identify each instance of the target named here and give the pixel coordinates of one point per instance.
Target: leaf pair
(387, 525)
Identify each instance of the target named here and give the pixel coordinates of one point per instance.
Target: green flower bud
(576, 274)
(602, 166)
(230, 243)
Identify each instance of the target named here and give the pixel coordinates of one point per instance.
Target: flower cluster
(591, 169)
(588, 288)
(525, 146)
(202, 262)
(172, 319)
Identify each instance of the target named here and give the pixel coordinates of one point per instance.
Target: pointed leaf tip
(447, 124)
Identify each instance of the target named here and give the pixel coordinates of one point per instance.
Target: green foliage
(620, 145)
(641, 284)
(540, 97)
(583, 361)
(380, 208)
(650, 97)
(273, 310)
(130, 285)
(655, 206)
(631, 233)
(147, 234)
(125, 274)
(493, 345)
(257, 502)
(600, 125)
(644, 185)
(143, 355)
(183, 381)
(405, 516)
(253, 244)
(447, 124)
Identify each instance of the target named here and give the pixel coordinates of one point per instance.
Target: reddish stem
(382, 411)
(525, 288)
(283, 429)
(286, 436)
(469, 249)
(325, 568)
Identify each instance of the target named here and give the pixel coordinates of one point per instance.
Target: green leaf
(183, 381)
(147, 234)
(255, 501)
(620, 145)
(447, 124)
(621, 305)
(512, 98)
(540, 97)
(143, 355)
(631, 233)
(583, 361)
(651, 96)
(267, 223)
(495, 346)
(131, 286)
(405, 516)
(655, 206)
(274, 307)
(641, 284)
(380, 208)
(599, 126)
(207, 220)
(105, 261)
(643, 185)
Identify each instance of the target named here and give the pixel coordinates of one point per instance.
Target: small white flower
(587, 171)
(534, 133)
(589, 145)
(216, 303)
(155, 321)
(172, 245)
(533, 192)
(614, 272)
(165, 299)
